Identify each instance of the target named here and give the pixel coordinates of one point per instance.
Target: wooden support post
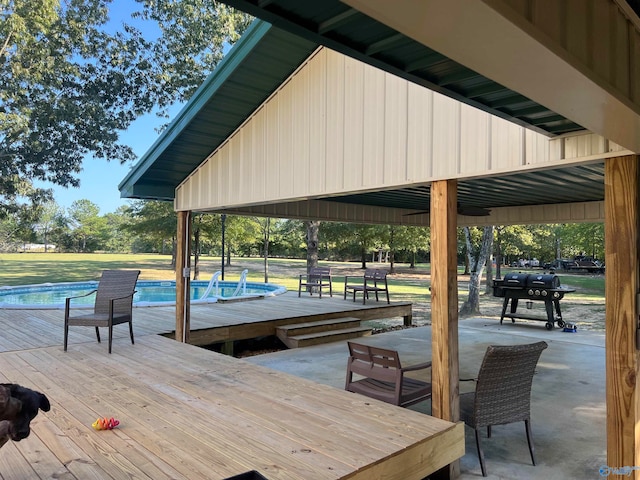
(183, 278)
(621, 317)
(445, 402)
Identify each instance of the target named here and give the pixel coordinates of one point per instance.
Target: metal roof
(265, 56)
(578, 183)
(346, 30)
(253, 69)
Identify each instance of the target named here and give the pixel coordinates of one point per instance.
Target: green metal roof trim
(346, 30)
(253, 69)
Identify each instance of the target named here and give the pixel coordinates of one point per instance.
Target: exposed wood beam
(183, 277)
(621, 315)
(445, 403)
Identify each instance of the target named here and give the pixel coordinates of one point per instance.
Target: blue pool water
(149, 293)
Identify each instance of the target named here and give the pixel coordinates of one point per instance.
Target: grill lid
(543, 281)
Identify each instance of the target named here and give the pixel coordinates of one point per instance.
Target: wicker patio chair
(113, 304)
(503, 391)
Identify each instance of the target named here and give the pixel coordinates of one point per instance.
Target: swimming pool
(148, 293)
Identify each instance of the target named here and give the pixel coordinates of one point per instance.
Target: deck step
(318, 326)
(306, 340)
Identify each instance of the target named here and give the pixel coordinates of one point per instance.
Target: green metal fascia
(238, 53)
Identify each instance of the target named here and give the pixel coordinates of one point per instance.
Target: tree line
(150, 227)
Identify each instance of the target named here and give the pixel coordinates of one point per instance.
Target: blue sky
(99, 179)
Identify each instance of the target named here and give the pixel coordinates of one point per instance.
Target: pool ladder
(241, 289)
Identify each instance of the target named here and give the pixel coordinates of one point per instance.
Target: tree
(412, 240)
(155, 221)
(88, 227)
(51, 217)
(265, 225)
(313, 227)
(477, 253)
(70, 84)
(360, 239)
(584, 239)
(240, 235)
(119, 239)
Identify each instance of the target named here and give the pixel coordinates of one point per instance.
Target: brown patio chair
(113, 304)
(373, 280)
(383, 376)
(317, 279)
(503, 391)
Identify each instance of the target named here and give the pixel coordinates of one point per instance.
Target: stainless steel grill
(531, 287)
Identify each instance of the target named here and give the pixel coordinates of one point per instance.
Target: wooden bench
(373, 280)
(318, 277)
(384, 377)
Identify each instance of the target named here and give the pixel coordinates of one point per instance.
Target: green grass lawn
(405, 285)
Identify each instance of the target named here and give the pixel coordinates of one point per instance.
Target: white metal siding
(338, 126)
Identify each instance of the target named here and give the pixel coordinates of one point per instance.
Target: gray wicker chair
(503, 391)
(113, 304)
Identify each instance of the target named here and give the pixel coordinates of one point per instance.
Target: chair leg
(110, 337)
(480, 454)
(98, 334)
(527, 426)
(131, 332)
(488, 431)
(66, 334)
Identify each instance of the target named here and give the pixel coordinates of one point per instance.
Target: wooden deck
(187, 412)
(210, 323)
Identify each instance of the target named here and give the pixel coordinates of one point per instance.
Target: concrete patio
(568, 397)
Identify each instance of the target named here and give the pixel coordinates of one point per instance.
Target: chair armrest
(468, 379)
(80, 296)
(67, 302)
(419, 366)
(122, 298)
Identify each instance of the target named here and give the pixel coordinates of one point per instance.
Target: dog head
(9, 407)
(31, 402)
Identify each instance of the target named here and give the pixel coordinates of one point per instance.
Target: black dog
(31, 401)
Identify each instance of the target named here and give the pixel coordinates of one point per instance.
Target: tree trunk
(174, 248)
(313, 227)
(499, 259)
(266, 249)
(488, 288)
(471, 306)
(196, 254)
(466, 260)
(392, 248)
(363, 257)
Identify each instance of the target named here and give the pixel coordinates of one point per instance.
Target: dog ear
(45, 406)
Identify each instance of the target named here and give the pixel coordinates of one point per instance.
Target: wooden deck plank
(187, 412)
(210, 323)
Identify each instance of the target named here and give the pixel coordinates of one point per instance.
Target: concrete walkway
(568, 397)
